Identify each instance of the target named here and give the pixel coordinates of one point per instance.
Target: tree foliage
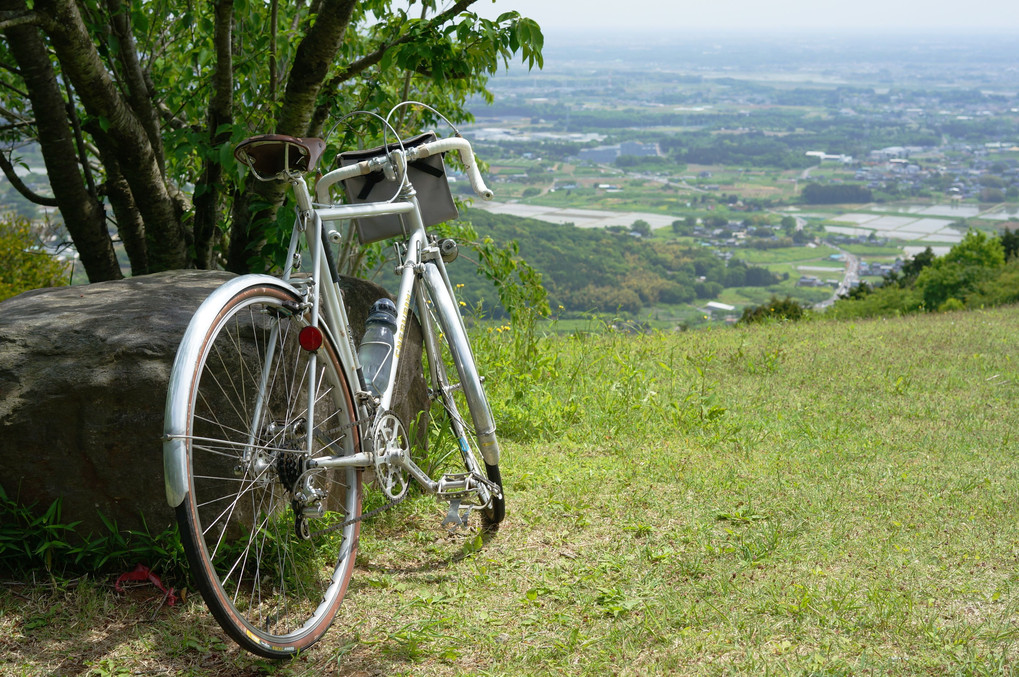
(24, 264)
(975, 260)
(603, 270)
(137, 106)
(818, 194)
(973, 274)
(775, 309)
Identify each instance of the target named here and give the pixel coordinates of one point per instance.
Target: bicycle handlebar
(459, 144)
(463, 147)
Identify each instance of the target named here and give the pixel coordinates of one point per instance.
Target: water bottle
(376, 349)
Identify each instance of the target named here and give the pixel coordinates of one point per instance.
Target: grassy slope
(826, 498)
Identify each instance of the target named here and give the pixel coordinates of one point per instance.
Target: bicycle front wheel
(463, 429)
(270, 539)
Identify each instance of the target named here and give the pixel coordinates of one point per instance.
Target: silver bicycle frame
(422, 265)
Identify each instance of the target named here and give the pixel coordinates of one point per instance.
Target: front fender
(183, 379)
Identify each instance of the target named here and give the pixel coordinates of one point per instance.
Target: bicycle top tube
(354, 211)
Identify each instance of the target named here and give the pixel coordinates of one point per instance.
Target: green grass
(873, 251)
(799, 255)
(819, 498)
(755, 296)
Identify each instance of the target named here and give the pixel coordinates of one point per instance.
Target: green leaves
(23, 263)
(530, 41)
(274, 80)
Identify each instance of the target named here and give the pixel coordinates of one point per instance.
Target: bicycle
(273, 433)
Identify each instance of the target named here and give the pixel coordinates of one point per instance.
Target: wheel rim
(270, 588)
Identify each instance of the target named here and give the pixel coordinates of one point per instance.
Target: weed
(29, 539)
(106, 668)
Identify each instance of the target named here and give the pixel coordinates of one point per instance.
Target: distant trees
(754, 148)
(641, 228)
(774, 309)
(981, 270)
(592, 269)
(992, 195)
(842, 193)
(685, 225)
(1010, 243)
(739, 274)
(23, 263)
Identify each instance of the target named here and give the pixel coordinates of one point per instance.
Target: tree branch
(139, 161)
(369, 60)
(138, 93)
(12, 19)
(82, 214)
(11, 115)
(311, 63)
(17, 125)
(359, 66)
(19, 185)
(207, 190)
(21, 94)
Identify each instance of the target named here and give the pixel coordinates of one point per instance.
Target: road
(850, 277)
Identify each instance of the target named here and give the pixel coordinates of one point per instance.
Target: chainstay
(370, 513)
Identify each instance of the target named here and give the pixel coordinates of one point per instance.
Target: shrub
(774, 309)
(23, 263)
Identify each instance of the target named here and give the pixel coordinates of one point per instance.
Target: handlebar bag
(428, 176)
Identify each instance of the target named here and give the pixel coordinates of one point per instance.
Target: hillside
(812, 498)
(602, 270)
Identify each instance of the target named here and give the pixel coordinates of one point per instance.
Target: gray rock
(83, 376)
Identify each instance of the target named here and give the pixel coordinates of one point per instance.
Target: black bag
(428, 176)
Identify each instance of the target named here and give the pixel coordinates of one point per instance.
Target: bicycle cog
(391, 448)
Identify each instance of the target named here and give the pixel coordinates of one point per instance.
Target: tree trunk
(311, 65)
(164, 232)
(207, 191)
(248, 229)
(315, 55)
(138, 94)
(83, 215)
(129, 223)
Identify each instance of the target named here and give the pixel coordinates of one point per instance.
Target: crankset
(391, 450)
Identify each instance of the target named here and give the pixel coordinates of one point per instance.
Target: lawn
(815, 498)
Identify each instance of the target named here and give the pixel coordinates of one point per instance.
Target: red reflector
(310, 338)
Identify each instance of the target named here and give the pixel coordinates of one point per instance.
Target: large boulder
(83, 376)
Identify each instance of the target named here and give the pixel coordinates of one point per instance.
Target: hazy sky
(743, 15)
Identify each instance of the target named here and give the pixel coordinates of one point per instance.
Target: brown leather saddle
(272, 156)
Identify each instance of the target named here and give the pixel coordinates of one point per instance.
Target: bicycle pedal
(453, 519)
(454, 485)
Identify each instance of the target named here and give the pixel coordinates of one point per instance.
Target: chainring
(390, 448)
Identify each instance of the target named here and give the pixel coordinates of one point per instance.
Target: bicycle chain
(370, 513)
(360, 518)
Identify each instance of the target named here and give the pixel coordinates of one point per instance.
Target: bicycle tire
(457, 360)
(273, 591)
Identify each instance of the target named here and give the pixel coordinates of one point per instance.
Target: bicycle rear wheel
(255, 519)
(460, 414)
